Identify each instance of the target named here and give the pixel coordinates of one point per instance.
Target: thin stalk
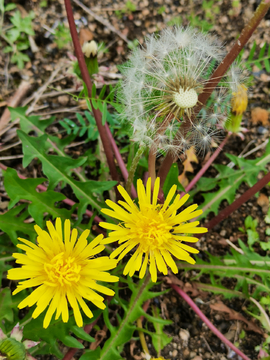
(220, 72)
(208, 322)
(86, 78)
(120, 161)
(153, 153)
(152, 165)
(133, 168)
(141, 336)
(205, 167)
(238, 202)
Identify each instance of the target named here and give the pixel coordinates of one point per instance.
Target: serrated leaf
(29, 123)
(41, 202)
(57, 168)
(12, 223)
(229, 180)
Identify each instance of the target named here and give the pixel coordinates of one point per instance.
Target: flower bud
(90, 49)
(239, 100)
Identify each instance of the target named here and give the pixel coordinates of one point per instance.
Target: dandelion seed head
(165, 77)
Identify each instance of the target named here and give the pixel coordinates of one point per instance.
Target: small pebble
(223, 232)
(184, 335)
(262, 130)
(174, 353)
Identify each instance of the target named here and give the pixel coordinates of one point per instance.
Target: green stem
(141, 336)
(220, 267)
(125, 324)
(133, 168)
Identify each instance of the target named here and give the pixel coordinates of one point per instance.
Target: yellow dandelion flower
(62, 272)
(155, 231)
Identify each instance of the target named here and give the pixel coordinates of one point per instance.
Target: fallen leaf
(85, 35)
(234, 315)
(263, 201)
(188, 167)
(259, 115)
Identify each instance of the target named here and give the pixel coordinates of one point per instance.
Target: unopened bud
(90, 49)
(239, 100)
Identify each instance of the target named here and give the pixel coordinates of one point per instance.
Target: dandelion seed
(63, 271)
(155, 231)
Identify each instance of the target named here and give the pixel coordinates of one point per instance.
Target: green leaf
(12, 223)
(229, 180)
(41, 202)
(57, 168)
(80, 333)
(92, 355)
(29, 123)
(159, 338)
(172, 179)
(10, 6)
(19, 58)
(104, 113)
(252, 52)
(5, 305)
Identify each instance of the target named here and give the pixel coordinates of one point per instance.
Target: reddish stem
(238, 202)
(120, 161)
(86, 78)
(208, 322)
(205, 167)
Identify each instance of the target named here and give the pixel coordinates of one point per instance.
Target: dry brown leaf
(190, 157)
(99, 337)
(263, 201)
(234, 315)
(259, 115)
(132, 347)
(85, 35)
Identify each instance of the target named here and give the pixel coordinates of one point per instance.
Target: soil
(191, 339)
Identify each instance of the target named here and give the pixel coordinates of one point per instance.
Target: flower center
(152, 230)
(62, 271)
(185, 98)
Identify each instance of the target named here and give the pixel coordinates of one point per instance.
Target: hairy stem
(133, 168)
(208, 322)
(86, 78)
(238, 202)
(220, 71)
(205, 167)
